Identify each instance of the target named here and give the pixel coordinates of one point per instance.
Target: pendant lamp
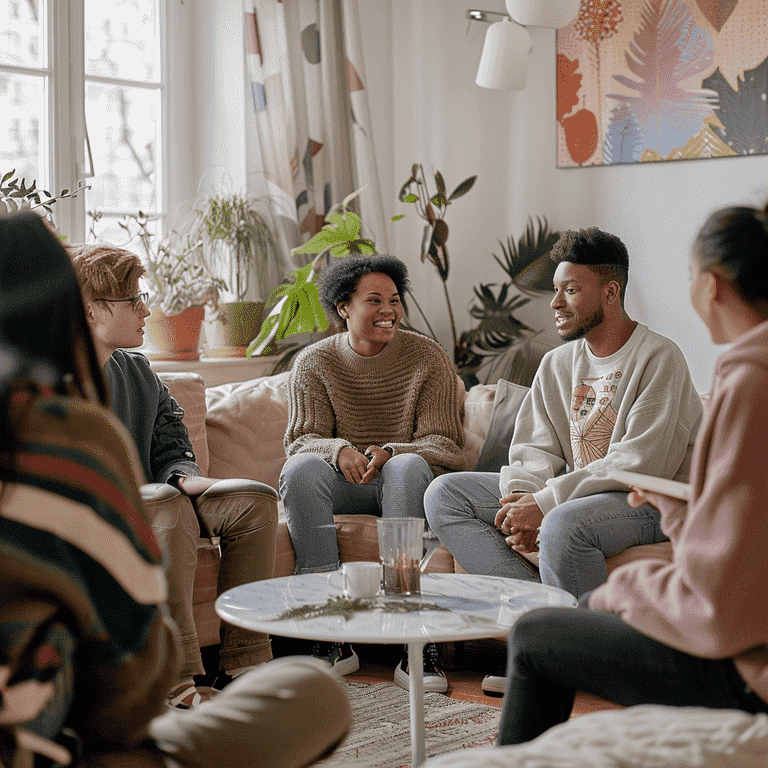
(504, 61)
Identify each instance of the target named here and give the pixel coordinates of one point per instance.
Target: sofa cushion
(246, 424)
(506, 403)
(188, 389)
(476, 415)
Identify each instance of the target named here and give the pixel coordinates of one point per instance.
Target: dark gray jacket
(144, 404)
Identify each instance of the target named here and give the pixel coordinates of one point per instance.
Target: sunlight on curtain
(309, 137)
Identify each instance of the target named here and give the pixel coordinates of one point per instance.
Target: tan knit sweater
(405, 398)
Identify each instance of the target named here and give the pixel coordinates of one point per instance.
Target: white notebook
(672, 488)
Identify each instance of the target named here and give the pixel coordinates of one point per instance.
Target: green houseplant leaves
(296, 306)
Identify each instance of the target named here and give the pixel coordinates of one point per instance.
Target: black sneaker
(340, 657)
(434, 679)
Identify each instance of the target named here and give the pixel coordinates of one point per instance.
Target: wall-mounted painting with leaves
(649, 80)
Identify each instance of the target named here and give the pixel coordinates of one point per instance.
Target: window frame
(66, 111)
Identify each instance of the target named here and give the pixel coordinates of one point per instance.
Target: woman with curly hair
(373, 417)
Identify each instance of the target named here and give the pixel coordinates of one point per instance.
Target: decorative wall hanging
(650, 80)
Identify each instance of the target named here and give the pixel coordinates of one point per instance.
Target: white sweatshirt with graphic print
(635, 410)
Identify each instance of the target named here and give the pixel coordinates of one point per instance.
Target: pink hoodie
(711, 601)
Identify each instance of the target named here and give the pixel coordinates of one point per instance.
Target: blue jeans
(554, 652)
(313, 492)
(574, 541)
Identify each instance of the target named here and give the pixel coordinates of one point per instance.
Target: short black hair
(604, 253)
(338, 280)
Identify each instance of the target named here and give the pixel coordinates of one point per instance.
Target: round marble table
(451, 607)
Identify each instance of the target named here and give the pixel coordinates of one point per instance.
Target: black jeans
(554, 652)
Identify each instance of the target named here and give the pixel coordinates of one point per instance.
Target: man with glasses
(242, 514)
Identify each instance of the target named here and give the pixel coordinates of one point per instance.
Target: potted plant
(181, 284)
(236, 238)
(501, 339)
(17, 194)
(433, 208)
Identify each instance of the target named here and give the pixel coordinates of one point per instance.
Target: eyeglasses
(139, 300)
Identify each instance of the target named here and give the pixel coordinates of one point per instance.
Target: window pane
(122, 40)
(22, 33)
(23, 105)
(124, 129)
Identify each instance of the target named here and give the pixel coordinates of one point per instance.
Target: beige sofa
(237, 431)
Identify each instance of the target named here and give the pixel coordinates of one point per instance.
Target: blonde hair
(104, 270)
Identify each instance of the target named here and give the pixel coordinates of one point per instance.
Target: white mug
(358, 579)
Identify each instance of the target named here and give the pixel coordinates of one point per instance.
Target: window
(84, 94)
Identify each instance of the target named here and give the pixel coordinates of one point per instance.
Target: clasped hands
(519, 519)
(361, 468)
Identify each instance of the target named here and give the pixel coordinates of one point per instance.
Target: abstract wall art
(654, 80)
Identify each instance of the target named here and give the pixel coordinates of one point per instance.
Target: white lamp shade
(543, 13)
(504, 61)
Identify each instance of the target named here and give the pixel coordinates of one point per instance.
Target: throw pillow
(506, 403)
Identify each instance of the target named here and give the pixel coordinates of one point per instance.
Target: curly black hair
(604, 253)
(338, 281)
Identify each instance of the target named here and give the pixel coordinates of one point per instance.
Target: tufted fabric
(246, 425)
(646, 736)
(188, 389)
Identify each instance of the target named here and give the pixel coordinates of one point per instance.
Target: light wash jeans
(313, 492)
(574, 541)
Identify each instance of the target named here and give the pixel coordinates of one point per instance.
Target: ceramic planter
(174, 337)
(232, 327)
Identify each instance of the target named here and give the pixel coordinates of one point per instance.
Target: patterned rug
(381, 732)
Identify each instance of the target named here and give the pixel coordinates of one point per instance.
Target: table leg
(416, 691)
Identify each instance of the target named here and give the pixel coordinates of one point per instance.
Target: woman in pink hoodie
(694, 631)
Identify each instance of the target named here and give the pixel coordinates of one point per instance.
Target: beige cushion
(246, 424)
(188, 389)
(478, 406)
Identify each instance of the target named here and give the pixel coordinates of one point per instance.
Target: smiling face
(116, 324)
(373, 313)
(578, 301)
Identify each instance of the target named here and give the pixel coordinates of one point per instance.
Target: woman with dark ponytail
(694, 631)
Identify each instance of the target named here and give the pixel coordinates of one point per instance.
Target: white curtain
(309, 137)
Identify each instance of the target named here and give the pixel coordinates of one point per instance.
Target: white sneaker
(495, 684)
(434, 679)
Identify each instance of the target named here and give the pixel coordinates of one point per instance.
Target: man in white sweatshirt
(618, 396)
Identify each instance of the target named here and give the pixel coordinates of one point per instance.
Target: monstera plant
(296, 306)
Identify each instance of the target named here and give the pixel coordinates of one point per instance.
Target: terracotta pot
(174, 337)
(232, 328)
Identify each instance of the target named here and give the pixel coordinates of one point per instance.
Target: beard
(595, 319)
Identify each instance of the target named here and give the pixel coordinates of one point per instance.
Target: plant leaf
(410, 198)
(398, 217)
(463, 188)
(440, 183)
